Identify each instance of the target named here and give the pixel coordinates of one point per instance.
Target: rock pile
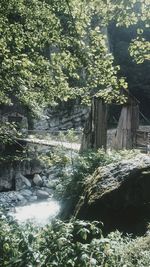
(39, 186)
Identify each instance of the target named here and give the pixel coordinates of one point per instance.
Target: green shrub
(72, 244)
(69, 136)
(86, 164)
(16, 244)
(57, 157)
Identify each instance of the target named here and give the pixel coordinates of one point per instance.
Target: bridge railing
(70, 136)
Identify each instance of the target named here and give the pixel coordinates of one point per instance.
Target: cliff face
(119, 195)
(66, 115)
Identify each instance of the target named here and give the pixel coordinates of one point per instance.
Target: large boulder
(21, 182)
(119, 195)
(26, 193)
(41, 194)
(37, 180)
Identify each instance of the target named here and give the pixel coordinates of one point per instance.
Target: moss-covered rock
(119, 195)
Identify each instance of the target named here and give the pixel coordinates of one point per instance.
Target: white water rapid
(40, 213)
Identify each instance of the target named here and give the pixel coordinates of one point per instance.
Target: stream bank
(31, 181)
(111, 187)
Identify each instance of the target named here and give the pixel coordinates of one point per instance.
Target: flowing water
(40, 213)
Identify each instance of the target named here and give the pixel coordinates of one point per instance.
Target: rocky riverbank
(40, 186)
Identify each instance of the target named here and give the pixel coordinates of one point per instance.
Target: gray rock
(42, 124)
(118, 195)
(37, 180)
(26, 192)
(48, 190)
(42, 194)
(62, 117)
(23, 202)
(33, 198)
(2, 200)
(5, 183)
(52, 184)
(53, 176)
(27, 182)
(20, 197)
(21, 182)
(8, 199)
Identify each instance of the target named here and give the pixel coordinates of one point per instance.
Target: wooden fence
(142, 141)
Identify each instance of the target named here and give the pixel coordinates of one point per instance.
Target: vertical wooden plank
(128, 124)
(100, 124)
(95, 131)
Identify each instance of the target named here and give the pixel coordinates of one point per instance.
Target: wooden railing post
(95, 131)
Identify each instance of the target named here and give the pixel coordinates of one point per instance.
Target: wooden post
(125, 137)
(95, 131)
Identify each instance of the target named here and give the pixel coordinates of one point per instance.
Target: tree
(74, 33)
(27, 28)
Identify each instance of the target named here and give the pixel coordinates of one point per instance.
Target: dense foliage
(75, 243)
(28, 26)
(72, 180)
(59, 49)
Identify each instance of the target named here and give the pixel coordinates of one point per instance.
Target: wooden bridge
(141, 142)
(42, 139)
(50, 143)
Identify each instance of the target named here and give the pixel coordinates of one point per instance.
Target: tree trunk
(128, 124)
(95, 131)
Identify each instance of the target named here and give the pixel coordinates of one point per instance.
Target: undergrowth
(72, 180)
(69, 244)
(74, 243)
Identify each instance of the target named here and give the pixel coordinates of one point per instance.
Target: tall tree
(78, 57)
(78, 62)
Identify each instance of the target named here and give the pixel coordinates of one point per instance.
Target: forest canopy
(53, 49)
